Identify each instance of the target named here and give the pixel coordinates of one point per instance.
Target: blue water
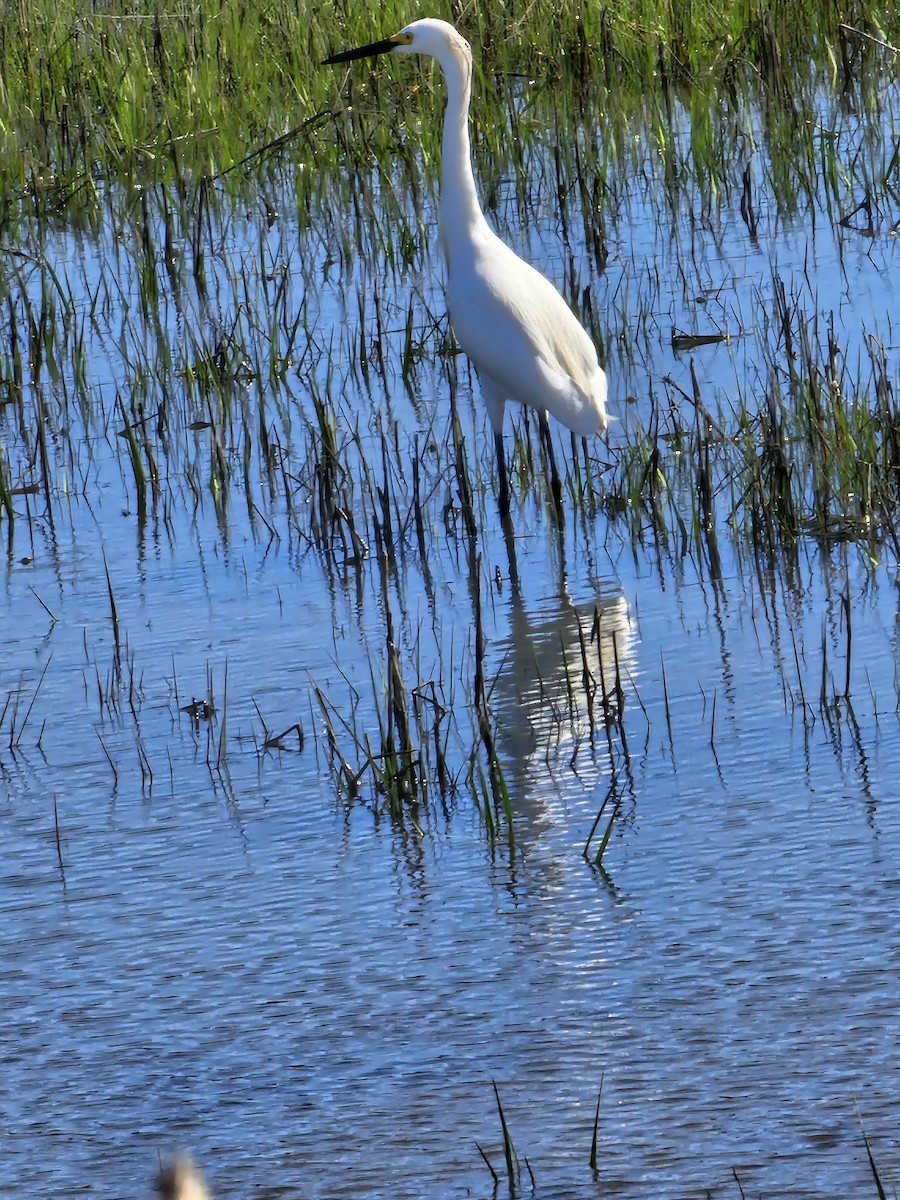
(206, 944)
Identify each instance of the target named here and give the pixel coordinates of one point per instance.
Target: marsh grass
(594, 1159)
(188, 91)
(513, 1165)
(221, 292)
(224, 338)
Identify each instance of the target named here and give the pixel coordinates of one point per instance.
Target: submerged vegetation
(221, 292)
(247, 486)
(515, 1177)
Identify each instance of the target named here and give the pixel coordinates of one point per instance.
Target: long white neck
(460, 213)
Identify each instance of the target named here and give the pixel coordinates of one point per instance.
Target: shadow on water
(557, 689)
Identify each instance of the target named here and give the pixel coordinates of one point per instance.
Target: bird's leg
(547, 439)
(503, 498)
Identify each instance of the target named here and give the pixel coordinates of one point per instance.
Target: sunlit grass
(121, 91)
(221, 290)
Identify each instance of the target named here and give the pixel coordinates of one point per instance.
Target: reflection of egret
(524, 340)
(180, 1180)
(557, 685)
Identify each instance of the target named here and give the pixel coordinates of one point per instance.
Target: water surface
(207, 943)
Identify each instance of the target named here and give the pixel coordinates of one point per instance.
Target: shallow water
(206, 944)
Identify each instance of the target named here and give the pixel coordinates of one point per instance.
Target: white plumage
(524, 340)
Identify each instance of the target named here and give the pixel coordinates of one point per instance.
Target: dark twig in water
(279, 142)
(59, 856)
(596, 1134)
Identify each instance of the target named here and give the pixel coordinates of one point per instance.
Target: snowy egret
(524, 340)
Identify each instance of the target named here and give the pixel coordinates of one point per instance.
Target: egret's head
(434, 38)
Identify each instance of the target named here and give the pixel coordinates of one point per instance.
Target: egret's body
(524, 340)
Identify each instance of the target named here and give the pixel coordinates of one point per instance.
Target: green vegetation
(516, 1185)
(135, 91)
(225, 360)
(220, 288)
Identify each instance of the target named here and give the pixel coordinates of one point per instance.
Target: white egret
(524, 340)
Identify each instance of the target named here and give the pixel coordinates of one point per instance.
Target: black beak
(382, 47)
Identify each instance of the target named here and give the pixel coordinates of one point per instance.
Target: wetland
(327, 803)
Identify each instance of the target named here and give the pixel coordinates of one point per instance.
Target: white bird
(179, 1179)
(524, 340)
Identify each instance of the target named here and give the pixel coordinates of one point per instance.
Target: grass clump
(119, 90)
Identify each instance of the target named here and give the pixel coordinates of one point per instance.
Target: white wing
(517, 329)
